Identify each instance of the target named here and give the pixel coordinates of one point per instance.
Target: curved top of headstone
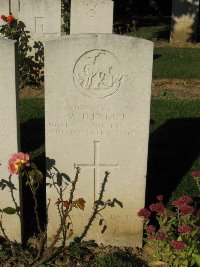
(104, 36)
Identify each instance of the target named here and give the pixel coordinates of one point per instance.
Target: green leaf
(9, 210)
(157, 263)
(196, 257)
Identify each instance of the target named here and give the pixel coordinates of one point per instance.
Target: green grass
(152, 28)
(174, 143)
(174, 147)
(169, 62)
(32, 126)
(179, 63)
(149, 33)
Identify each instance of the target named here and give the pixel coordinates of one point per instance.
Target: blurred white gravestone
(42, 18)
(9, 137)
(184, 20)
(98, 89)
(91, 16)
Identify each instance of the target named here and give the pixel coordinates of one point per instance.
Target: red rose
(10, 19)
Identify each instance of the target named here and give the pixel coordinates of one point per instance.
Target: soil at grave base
(161, 88)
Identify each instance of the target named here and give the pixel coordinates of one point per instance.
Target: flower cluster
(182, 205)
(20, 164)
(9, 19)
(175, 238)
(17, 162)
(145, 213)
(196, 177)
(157, 207)
(183, 200)
(177, 244)
(184, 229)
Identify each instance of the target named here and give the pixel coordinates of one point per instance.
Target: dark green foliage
(118, 259)
(30, 68)
(66, 4)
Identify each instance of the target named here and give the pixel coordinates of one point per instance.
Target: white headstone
(15, 5)
(41, 17)
(91, 16)
(184, 21)
(97, 110)
(9, 136)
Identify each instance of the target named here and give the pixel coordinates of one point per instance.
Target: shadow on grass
(32, 134)
(164, 34)
(173, 148)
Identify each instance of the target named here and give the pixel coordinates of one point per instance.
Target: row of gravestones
(43, 18)
(97, 105)
(97, 109)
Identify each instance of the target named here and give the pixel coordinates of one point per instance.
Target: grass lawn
(169, 62)
(174, 143)
(179, 63)
(174, 146)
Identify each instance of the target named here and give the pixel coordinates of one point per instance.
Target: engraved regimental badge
(97, 74)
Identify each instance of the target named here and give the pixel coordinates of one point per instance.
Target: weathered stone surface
(91, 16)
(14, 7)
(9, 137)
(97, 118)
(42, 18)
(184, 20)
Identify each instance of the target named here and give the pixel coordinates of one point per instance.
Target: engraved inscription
(39, 25)
(96, 74)
(2, 129)
(91, 9)
(96, 121)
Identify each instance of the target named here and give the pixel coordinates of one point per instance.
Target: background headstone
(91, 16)
(14, 7)
(97, 110)
(42, 18)
(9, 136)
(184, 20)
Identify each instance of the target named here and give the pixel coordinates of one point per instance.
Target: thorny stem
(36, 212)
(49, 250)
(96, 208)
(13, 198)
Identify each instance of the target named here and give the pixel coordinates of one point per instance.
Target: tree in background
(66, 5)
(143, 7)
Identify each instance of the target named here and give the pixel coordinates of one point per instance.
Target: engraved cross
(96, 166)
